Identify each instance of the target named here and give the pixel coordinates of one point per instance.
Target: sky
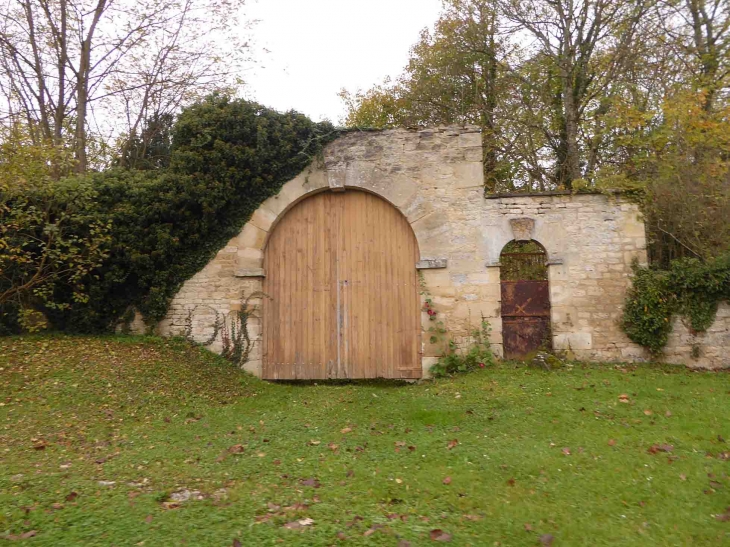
(306, 51)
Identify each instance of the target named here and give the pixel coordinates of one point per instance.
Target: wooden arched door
(342, 281)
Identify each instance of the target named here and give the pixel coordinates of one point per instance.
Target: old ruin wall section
(434, 177)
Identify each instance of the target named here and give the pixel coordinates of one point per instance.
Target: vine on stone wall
(690, 288)
(232, 327)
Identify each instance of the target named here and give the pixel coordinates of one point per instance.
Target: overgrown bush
(51, 235)
(689, 288)
(456, 360)
(227, 157)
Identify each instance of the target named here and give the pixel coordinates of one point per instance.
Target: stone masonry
(434, 177)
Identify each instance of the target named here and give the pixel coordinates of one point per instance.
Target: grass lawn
(102, 439)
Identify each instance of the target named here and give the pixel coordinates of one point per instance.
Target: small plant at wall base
(236, 340)
(455, 360)
(690, 288)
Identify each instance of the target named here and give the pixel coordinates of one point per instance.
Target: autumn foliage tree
(583, 94)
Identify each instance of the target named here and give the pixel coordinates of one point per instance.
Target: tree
(48, 234)
(67, 65)
(587, 44)
(453, 77)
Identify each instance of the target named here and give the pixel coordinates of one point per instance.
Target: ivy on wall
(227, 157)
(689, 288)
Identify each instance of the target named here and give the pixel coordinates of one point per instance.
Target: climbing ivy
(227, 157)
(690, 288)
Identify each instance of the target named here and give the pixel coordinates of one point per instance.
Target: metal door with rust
(525, 317)
(343, 287)
(525, 299)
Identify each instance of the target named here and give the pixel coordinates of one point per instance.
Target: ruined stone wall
(434, 177)
(704, 350)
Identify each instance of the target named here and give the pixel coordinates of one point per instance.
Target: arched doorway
(341, 277)
(525, 299)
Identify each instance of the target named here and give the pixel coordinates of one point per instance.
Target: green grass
(158, 416)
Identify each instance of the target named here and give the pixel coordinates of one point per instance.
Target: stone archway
(342, 291)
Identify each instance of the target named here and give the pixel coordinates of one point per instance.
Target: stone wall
(703, 350)
(434, 177)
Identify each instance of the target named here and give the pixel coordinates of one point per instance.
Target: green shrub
(227, 157)
(454, 360)
(690, 288)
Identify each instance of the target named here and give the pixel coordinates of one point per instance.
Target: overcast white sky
(317, 47)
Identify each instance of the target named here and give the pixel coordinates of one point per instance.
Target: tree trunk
(82, 90)
(489, 141)
(571, 168)
(82, 99)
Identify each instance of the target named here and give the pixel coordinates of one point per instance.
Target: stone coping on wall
(551, 194)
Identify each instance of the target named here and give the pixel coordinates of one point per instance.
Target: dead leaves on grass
(25, 535)
(439, 535)
(313, 482)
(655, 448)
(724, 517)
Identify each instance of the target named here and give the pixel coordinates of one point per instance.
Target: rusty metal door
(341, 276)
(525, 317)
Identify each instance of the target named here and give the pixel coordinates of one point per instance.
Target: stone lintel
(555, 261)
(431, 263)
(252, 272)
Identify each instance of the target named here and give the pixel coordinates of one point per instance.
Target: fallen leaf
(345, 430)
(439, 535)
(350, 473)
(341, 536)
(236, 543)
(472, 517)
(648, 412)
(236, 449)
(313, 482)
(668, 413)
(404, 543)
(511, 482)
(452, 443)
(148, 519)
(566, 451)
(333, 446)
(623, 398)
(313, 443)
(372, 530)
(24, 535)
(653, 449)
(611, 442)
(72, 496)
(273, 508)
(446, 480)
(546, 539)
(296, 524)
(528, 527)
(683, 477)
